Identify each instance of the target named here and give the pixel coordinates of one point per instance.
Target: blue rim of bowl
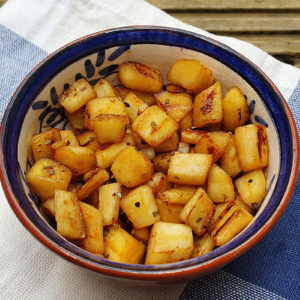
(46, 70)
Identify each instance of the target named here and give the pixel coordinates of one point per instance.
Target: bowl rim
(161, 273)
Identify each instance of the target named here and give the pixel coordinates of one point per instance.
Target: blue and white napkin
(29, 31)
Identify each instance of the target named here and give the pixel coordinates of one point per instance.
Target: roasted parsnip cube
(93, 221)
(183, 147)
(149, 152)
(171, 202)
(132, 167)
(213, 127)
(202, 245)
(175, 88)
(110, 128)
(154, 126)
(106, 154)
(104, 88)
(72, 157)
(46, 176)
(68, 215)
(252, 188)
(171, 144)
(158, 183)
(178, 195)
(168, 212)
(77, 95)
(235, 109)
(59, 144)
(48, 207)
(140, 77)
(176, 105)
(140, 207)
(134, 106)
(147, 98)
(208, 108)
(41, 143)
(98, 178)
(244, 206)
(229, 161)
(139, 142)
(161, 162)
(192, 135)
(230, 223)
(74, 187)
(141, 234)
(104, 105)
(122, 247)
(93, 199)
(219, 185)
(169, 243)
(76, 119)
(219, 208)
(198, 212)
(186, 122)
(68, 138)
(252, 146)
(86, 176)
(190, 74)
(214, 143)
(189, 168)
(109, 202)
(88, 139)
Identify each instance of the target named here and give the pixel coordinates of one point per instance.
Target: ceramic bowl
(34, 107)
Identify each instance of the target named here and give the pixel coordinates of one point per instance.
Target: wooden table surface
(272, 25)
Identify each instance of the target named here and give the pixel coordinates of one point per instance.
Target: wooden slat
(248, 22)
(273, 43)
(226, 4)
(295, 61)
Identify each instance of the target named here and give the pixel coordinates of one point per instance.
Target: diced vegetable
(68, 216)
(169, 243)
(140, 207)
(140, 77)
(252, 146)
(189, 168)
(46, 176)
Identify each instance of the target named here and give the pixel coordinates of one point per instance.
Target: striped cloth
(29, 31)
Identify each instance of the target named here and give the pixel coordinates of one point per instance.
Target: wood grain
(226, 5)
(273, 44)
(246, 22)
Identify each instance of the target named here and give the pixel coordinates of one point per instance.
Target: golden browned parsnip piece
(139, 77)
(189, 168)
(208, 107)
(190, 74)
(154, 126)
(77, 95)
(46, 176)
(169, 243)
(235, 109)
(132, 167)
(252, 146)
